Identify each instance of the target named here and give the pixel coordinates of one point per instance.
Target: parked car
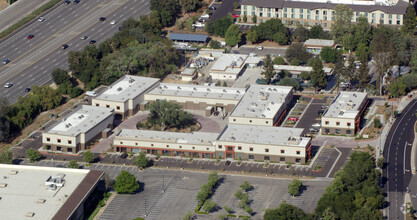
(41, 19)
(124, 155)
(316, 125)
(6, 61)
(205, 16)
(199, 25)
(293, 119)
(30, 36)
(8, 85)
(235, 16)
(212, 8)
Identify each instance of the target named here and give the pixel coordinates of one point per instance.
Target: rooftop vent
(30, 214)
(131, 80)
(3, 185)
(41, 201)
(119, 89)
(263, 95)
(13, 172)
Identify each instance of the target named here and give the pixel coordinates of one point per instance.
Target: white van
(91, 93)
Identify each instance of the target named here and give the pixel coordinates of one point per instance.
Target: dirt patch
(3, 4)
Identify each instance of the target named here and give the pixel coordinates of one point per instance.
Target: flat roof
(399, 8)
(25, 188)
(229, 62)
(261, 101)
(127, 87)
(188, 37)
(346, 105)
(80, 120)
(198, 91)
(327, 70)
(264, 135)
(173, 137)
(319, 43)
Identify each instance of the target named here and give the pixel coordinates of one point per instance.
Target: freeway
(33, 60)
(397, 151)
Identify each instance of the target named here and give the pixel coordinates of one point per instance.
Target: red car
(235, 16)
(31, 36)
(292, 119)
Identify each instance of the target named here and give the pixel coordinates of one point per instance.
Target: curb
(413, 152)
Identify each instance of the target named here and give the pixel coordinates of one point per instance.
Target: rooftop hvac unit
(131, 80)
(41, 201)
(13, 172)
(119, 89)
(3, 185)
(30, 214)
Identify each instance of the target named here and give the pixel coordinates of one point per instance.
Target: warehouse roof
(188, 37)
(264, 135)
(172, 137)
(197, 91)
(80, 120)
(229, 61)
(261, 101)
(26, 191)
(127, 87)
(346, 105)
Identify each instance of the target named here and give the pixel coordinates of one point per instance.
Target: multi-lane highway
(397, 151)
(33, 60)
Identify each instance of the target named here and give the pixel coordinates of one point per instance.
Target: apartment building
(126, 95)
(236, 141)
(262, 105)
(197, 97)
(77, 130)
(344, 114)
(321, 12)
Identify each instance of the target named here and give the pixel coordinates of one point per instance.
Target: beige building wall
(119, 107)
(251, 121)
(343, 123)
(52, 139)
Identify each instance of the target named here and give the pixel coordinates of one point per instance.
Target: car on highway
(8, 85)
(64, 46)
(67, 2)
(41, 19)
(92, 41)
(76, 1)
(113, 22)
(30, 36)
(27, 90)
(84, 37)
(102, 18)
(6, 61)
(260, 47)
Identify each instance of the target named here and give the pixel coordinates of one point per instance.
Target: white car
(199, 25)
(41, 19)
(205, 16)
(113, 22)
(8, 85)
(83, 37)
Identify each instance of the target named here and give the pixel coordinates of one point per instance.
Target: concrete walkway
(15, 12)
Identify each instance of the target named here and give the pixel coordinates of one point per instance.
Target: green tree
(286, 211)
(294, 187)
(73, 164)
(141, 160)
(363, 73)
(246, 186)
(398, 89)
(410, 81)
(305, 75)
(362, 32)
(188, 216)
(273, 30)
(33, 155)
(289, 81)
(167, 9)
(228, 209)
(189, 5)
(233, 35)
(6, 157)
(380, 162)
(349, 71)
(4, 119)
(330, 55)
(60, 76)
(301, 33)
(252, 36)
(209, 205)
(235, 5)
(169, 115)
(215, 44)
(316, 32)
(245, 18)
(88, 156)
(279, 61)
(295, 62)
(220, 26)
(297, 50)
(268, 67)
(343, 23)
(318, 76)
(362, 52)
(254, 19)
(410, 22)
(126, 183)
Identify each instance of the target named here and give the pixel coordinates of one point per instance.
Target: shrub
(377, 123)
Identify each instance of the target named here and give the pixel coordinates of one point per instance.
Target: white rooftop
(319, 43)
(127, 87)
(80, 120)
(327, 70)
(198, 91)
(173, 137)
(261, 101)
(25, 188)
(228, 62)
(264, 135)
(346, 105)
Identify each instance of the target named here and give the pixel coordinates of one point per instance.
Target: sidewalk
(17, 11)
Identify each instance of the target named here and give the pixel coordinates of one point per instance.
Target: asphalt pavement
(397, 151)
(32, 61)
